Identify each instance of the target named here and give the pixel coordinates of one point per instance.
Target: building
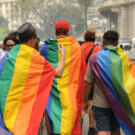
(6, 9)
(94, 18)
(120, 16)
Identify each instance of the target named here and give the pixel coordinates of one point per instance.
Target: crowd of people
(77, 87)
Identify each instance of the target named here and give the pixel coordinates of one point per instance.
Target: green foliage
(3, 27)
(44, 11)
(85, 3)
(3, 23)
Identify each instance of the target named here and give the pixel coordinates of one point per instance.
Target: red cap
(62, 26)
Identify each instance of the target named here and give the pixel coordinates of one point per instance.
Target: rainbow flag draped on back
(116, 73)
(65, 101)
(25, 82)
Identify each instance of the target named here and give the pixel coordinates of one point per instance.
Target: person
(81, 42)
(10, 41)
(90, 48)
(105, 119)
(2, 53)
(29, 82)
(65, 101)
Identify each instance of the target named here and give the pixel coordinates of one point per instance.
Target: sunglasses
(11, 45)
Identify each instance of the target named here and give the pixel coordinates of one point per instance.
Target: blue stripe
(125, 128)
(48, 106)
(2, 63)
(3, 129)
(43, 52)
(103, 60)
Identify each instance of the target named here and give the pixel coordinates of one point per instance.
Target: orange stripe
(29, 95)
(132, 68)
(77, 127)
(74, 70)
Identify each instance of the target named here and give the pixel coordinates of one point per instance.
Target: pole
(85, 14)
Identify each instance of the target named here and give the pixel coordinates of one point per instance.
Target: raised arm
(60, 68)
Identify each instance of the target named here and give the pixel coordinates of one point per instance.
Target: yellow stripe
(62, 85)
(128, 80)
(17, 86)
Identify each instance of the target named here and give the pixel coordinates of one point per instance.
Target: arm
(60, 68)
(87, 90)
(89, 80)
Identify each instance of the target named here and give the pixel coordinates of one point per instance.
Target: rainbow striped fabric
(117, 75)
(65, 101)
(25, 82)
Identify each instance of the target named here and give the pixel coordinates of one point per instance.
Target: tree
(3, 27)
(43, 11)
(84, 4)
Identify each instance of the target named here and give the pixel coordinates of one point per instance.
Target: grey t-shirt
(99, 97)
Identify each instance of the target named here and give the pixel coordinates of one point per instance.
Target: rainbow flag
(116, 73)
(25, 82)
(65, 100)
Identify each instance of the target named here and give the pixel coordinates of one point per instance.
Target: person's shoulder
(87, 45)
(97, 48)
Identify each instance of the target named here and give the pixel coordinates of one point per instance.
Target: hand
(85, 107)
(62, 49)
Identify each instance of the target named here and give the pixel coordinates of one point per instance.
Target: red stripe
(41, 99)
(29, 95)
(77, 127)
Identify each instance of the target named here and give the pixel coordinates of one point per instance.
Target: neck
(63, 36)
(27, 43)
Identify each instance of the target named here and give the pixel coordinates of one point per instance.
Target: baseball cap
(26, 31)
(62, 26)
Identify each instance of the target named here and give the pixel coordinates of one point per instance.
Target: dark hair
(59, 33)
(26, 40)
(12, 36)
(81, 42)
(121, 46)
(89, 39)
(110, 37)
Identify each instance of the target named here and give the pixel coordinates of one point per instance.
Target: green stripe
(7, 75)
(117, 78)
(56, 109)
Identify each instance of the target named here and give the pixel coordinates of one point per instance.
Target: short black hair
(63, 33)
(90, 39)
(26, 40)
(81, 42)
(110, 37)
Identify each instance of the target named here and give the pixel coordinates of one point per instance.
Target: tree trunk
(85, 14)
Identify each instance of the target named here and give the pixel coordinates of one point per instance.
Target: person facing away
(65, 101)
(90, 48)
(104, 117)
(32, 71)
(10, 41)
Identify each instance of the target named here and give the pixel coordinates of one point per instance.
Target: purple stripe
(113, 103)
(2, 132)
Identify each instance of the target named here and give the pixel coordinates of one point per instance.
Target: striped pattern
(24, 89)
(117, 75)
(64, 104)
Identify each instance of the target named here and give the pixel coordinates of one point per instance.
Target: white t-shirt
(2, 53)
